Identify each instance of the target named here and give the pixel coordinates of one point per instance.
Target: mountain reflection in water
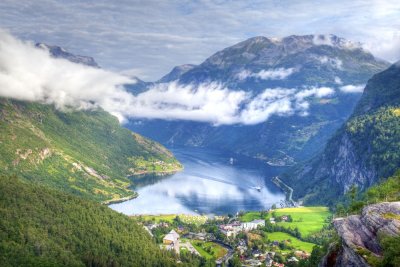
(209, 184)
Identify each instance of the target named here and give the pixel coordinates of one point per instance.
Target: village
(266, 238)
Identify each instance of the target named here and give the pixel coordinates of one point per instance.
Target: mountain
(59, 52)
(294, 62)
(176, 72)
(86, 153)
(364, 150)
(40, 226)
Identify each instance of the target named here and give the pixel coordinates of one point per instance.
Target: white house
(247, 226)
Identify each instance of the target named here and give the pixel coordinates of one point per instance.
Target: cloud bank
(31, 74)
(359, 88)
(270, 74)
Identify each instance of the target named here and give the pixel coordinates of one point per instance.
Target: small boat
(258, 188)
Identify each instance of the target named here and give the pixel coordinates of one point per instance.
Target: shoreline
(139, 176)
(284, 187)
(161, 173)
(120, 200)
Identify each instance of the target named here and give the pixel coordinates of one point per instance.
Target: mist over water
(209, 184)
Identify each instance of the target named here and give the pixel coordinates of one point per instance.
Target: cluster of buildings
(234, 228)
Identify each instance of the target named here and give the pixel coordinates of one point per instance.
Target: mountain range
(298, 63)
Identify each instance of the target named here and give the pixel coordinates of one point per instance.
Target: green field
(215, 251)
(307, 219)
(296, 243)
(250, 216)
(190, 219)
(157, 218)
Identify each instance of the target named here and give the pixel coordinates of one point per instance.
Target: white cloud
(338, 80)
(29, 73)
(270, 74)
(334, 62)
(120, 35)
(350, 88)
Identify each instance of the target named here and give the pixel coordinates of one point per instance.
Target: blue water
(209, 184)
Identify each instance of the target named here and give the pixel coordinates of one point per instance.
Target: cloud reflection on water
(208, 184)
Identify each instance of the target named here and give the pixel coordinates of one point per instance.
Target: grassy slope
(217, 251)
(40, 226)
(307, 219)
(296, 243)
(86, 153)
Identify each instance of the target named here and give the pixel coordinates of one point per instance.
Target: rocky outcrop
(360, 234)
(59, 52)
(346, 166)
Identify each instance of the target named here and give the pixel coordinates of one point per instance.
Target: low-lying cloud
(359, 88)
(270, 74)
(31, 74)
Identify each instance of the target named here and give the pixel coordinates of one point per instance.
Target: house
(256, 253)
(272, 220)
(292, 259)
(247, 226)
(268, 262)
(198, 236)
(284, 218)
(171, 238)
(253, 262)
(231, 229)
(171, 241)
(301, 254)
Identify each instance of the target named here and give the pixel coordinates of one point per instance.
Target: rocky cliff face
(363, 150)
(360, 235)
(59, 52)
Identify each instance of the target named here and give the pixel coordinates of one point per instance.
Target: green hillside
(86, 153)
(40, 226)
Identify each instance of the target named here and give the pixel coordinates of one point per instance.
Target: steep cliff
(361, 236)
(363, 151)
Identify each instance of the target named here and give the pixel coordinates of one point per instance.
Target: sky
(148, 38)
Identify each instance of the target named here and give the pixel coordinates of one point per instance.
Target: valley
(273, 140)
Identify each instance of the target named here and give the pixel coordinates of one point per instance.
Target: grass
(307, 219)
(250, 216)
(294, 242)
(158, 218)
(190, 219)
(216, 251)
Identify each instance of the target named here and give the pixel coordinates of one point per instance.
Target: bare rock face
(361, 233)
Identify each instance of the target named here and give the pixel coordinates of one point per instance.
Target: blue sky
(148, 38)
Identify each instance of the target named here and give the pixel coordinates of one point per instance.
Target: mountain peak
(265, 50)
(59, 52)
(176, 72)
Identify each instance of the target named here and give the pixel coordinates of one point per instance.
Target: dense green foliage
(354, 201)
(391, 251)
(377, 136)
(40, 226)
(86, 153)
